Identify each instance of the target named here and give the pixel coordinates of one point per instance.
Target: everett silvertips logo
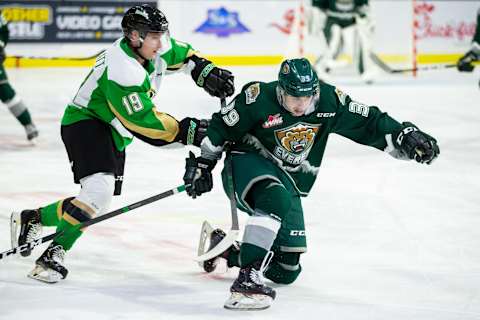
(295, 142)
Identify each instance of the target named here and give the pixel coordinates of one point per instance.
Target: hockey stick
(425, 68)
(385, 67)
(232, 235)
(58, 58)
(141, 203)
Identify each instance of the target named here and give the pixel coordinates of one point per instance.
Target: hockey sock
(51, 214)
(19, 110)
(25, 118)
(271, 202)
(15, 104)
(250, 253)
(7, 93)
(72, 217)
(233, 259)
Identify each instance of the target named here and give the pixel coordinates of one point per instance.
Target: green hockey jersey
(119, 91)
(256, 122)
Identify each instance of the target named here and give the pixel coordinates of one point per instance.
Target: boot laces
(57, 254)
(34, 230)
(257, 275)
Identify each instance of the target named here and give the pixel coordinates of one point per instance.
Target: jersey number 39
(231, 116)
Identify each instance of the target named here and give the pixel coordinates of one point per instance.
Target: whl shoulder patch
(252, 93)
(341, 95)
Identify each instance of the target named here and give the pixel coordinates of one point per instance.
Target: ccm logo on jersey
(326, 114)
(297, 233)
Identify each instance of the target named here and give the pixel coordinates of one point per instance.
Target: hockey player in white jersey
(112, 106)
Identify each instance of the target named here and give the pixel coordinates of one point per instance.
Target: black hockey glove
(416, 145)
(216, 81)
(192, 131)
(198, 175)
(464, 64)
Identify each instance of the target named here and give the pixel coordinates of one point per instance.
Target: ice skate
(49, 266)
(249, 291)
(32, 132)
(214, 236)
(25, 227)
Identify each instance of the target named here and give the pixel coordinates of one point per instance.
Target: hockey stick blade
(93, 221)
(29, 245)
(221, 247)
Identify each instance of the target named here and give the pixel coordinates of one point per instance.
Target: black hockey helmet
(144, 18)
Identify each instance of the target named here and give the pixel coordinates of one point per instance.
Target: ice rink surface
(387, 239)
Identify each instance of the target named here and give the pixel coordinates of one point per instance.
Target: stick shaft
(93, 221)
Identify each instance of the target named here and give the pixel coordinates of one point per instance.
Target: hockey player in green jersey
(279, 132)
(336, 19)
(7, 94)
(465, 63)
(112, 106)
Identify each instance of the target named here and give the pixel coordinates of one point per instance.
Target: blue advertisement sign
(222, 23)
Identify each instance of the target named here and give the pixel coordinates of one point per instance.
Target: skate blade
(248, 302)
(15, 222)
(205, 233)
(45, 275)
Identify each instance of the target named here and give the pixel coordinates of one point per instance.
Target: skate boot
(248, 291)
(25, 227)
(49, 267)
(216, 236)
(31, 131)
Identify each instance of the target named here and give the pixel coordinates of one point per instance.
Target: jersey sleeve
(234, 120)
(178, 53)
(134, 108)
(363, 124)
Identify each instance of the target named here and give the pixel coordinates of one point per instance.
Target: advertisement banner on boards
(65, 21)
